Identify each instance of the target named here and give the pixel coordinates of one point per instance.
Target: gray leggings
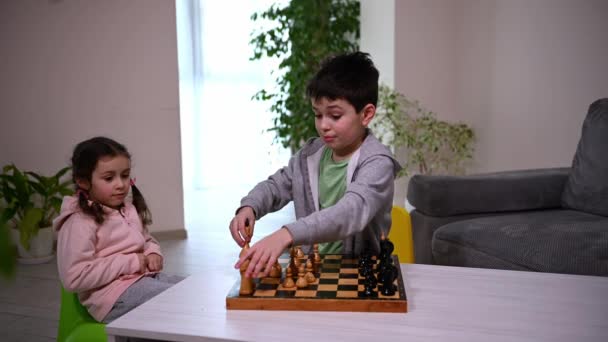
(140, 292)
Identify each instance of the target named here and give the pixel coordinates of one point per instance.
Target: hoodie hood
(69, 206)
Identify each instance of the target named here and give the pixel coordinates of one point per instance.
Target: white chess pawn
(317, 258)
(275, 270)
(301, 282)
(310, 277)
(299, 252)
(288, 283)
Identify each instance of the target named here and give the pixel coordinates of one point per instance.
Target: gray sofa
(546, 220)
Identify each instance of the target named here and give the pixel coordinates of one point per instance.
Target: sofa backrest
(587, 185)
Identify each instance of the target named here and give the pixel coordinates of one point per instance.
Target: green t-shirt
(332, 185)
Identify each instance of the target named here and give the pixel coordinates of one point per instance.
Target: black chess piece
(386, 247)
(388, 277)
(386, 250)
(385, 262)
(368, 290)
(369, 285)
(365, 263)
(371, 278)
(367, 269)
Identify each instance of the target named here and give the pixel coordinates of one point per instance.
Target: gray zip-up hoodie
(359, 218)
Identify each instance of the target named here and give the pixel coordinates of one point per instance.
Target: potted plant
(30, 202)
(425, 144)
(303, 34)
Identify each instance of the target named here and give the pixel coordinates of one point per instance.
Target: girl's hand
(265, 253)
(237, 225)
(155, 262)
(143, 262)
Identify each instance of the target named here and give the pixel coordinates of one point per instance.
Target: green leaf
(433, 145)
(304, 33)
(8, 252)
(62, 172)
(28, 227)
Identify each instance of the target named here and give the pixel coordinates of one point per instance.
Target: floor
(29, 303)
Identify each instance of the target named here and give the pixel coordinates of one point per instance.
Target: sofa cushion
(587, 186)
(557, 241)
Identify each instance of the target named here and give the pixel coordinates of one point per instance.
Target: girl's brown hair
(84, 160)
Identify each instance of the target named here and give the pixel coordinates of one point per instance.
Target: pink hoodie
(99, 262)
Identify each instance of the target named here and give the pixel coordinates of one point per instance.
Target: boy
(342, 182)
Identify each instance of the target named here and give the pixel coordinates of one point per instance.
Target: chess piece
(388, 278)
(365, 261)
(292, 261)
(317, 258)
(288, 282)
(371, 279)
(301, 282)
(310, 277)
(247, 284)
(276, 270)
(296, 259)
(368, 288)
(386, 251)
(299, 252)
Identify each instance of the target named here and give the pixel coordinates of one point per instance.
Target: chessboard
(338, 287)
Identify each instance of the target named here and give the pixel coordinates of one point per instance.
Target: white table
(444, 304)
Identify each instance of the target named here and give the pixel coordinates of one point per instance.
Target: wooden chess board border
(234, 301)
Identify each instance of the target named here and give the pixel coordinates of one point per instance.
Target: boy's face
(341, 128)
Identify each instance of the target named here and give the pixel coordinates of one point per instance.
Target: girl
(104, 250)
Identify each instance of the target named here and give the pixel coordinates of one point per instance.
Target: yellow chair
(401, 235)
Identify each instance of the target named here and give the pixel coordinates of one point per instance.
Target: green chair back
(75, 322)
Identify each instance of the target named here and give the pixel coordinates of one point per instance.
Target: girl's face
(110, 182)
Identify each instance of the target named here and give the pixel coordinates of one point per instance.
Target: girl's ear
(367, 114)
(83, 184)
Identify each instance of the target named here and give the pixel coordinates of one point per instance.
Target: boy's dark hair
(350, 76)
(84, 160)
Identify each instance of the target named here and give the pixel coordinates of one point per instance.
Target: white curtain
(224, 138)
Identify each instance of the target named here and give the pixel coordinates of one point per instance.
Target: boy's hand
(155, 262)
(237, 225)
(265, 252)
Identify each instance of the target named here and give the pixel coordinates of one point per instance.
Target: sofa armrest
(442, 196)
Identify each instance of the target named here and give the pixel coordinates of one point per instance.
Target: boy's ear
(367, 114)
(83, 184)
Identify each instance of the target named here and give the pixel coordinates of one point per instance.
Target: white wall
(75, 69)
(378, 36)
(521, 72)
(378, 39)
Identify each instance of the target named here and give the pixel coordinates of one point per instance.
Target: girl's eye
(108, 179)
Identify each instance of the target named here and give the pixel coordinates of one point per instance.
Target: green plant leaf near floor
(30, 201)
(432, 146)
(8, 251)
(301, 35)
